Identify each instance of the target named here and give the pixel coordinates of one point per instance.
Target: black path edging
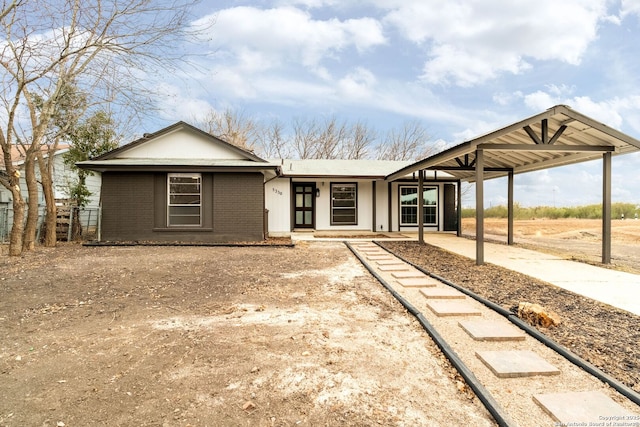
(483, 394)
(191, 244)
(535, 333)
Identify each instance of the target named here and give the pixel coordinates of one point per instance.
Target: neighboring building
(62, 177)
(183, 184)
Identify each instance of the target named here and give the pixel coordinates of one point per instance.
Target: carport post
(459, 213)
(420, 206)
(510, 209)
(479, 207)
(606, 208)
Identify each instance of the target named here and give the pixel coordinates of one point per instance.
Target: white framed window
(184, 200)
(409, 205)
(344, 204)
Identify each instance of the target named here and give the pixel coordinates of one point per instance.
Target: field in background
(618, 210)
(579, 239)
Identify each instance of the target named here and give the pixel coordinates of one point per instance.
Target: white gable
(182, 144)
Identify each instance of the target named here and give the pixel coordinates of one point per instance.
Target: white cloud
(358, 84)
(617, 112)
(176, 105)
(264, 39)
(469, 42)
(504, 98)
(629, 7)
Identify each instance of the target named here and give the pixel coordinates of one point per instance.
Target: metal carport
(556, 137)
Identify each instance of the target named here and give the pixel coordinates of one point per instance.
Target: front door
(304, 205)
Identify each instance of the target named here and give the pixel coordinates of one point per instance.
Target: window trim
(355, 202)
(435, 207)
(169, 204)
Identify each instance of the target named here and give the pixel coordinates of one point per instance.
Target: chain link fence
(4, 224)
(73, 224)
(84, 224)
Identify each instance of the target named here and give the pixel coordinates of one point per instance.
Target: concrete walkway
(612, 287)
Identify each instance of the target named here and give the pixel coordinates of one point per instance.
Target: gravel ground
(605, 336)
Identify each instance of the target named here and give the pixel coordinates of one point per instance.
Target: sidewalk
(612, 287)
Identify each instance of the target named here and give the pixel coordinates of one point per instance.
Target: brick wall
(238, 205)
(127, 206)
(134, 208)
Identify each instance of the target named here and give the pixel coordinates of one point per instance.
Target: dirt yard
(195, 336)
(262, 336)
(579, 239)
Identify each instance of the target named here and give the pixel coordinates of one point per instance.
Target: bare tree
(272, 141)
(407, 143)
(305, 137)
(63, 118)
(357, 145)
(103, 46)
(232, 126)
(333, 136)
(331, 139)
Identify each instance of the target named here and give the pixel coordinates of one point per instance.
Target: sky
(461, 67)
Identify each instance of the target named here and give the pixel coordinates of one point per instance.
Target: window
(409, 205)
(344, 204)
(185, 200)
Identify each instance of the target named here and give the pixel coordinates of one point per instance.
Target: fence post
(70, 228)
(99, 223)
(4, 223)
(88, 219)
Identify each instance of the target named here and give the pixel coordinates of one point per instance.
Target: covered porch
(556, 137)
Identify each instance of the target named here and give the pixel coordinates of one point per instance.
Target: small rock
(60, 424)
(254, 369)
(306, 353)
(18, 358)
(248, 406)
(537, 315)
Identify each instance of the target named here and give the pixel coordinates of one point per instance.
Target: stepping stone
(491, 330)
(516, 363)
(582, 408)
(377, 257)
(443, 308)
(372, 249)
(407, 274)
(417, 282)
(396, 267)
(442, 293)
(390, 262)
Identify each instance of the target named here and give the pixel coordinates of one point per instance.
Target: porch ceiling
(556, 137)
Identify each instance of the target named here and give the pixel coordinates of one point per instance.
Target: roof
(176, 148)
(172, 128)
(18, 152)
(325, 168)
(556, 137)
(170, 164)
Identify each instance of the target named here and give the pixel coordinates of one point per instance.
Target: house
(354, 195)
(183, 184)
